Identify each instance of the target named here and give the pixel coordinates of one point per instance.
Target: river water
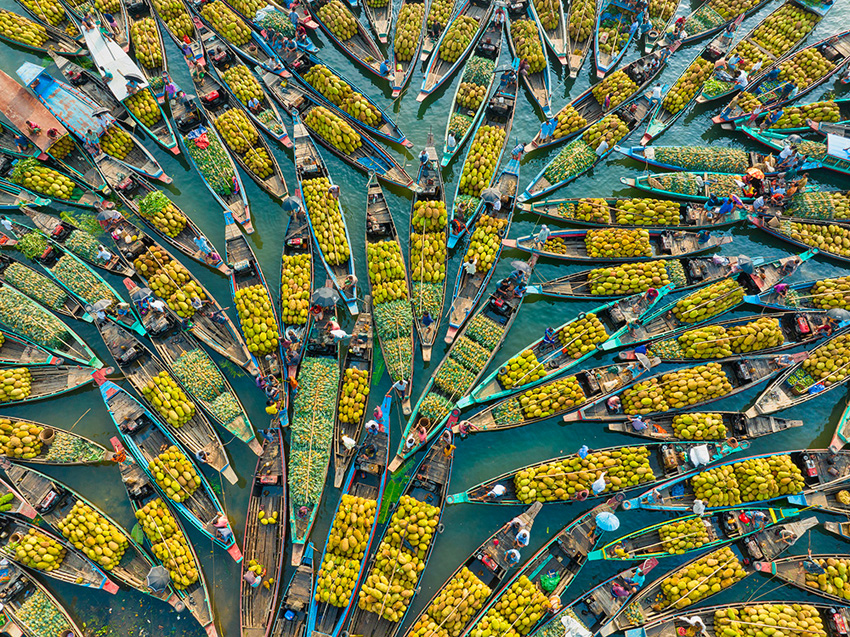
(466, 526)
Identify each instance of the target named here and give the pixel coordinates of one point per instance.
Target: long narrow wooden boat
(783, 229)
(42, 291)
(311, 429)
(51, 37)
(498, 114)
(842, 432)
(49, 381)
(556, 38)
(15, 349)
(831, 53)
(297, 283)
(660, 17)
(142, 495)
(693, 186)
(706, 20)
(178, 14)
(466, 361)
(661, 462)
(579, 40)
(394, 323)
(427, 490)
(696, 158)
(110, 58)
(79, 9)
(61, 20)
(569, 345)
(439, 71)
(150, 57)
(559, 560)
(265, 538)
(834, 116)
(213, 163)
(362, 494)
(358, 361)
(12, 197)
(813, 295)
(309, 165)
(18, 503)
(692, 533)
(14, 171)
(246, 274)
(140, 367)
(484, 570)
(816, 475)
(728, 423)
(360, 48)
(829, 154)
(291, 618)
(569, 393)
(652, 602)
(229, 69)
(469, 288)
(300, 63)
(197, 373)
(30, 605)
(664, 322)
(54, 500)
(403, 69)
(144, 437)
(73, 567)
(428, 277)
(76, 112)
(20, 347)
(578, 157)
(462, 121)
(571, 245)
(380, 17)
(537, 83)
(434, 30)
(60, 447)
(792, 571)
(65, 233)
(614, 33)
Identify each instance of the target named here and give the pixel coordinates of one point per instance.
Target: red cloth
(202, 141)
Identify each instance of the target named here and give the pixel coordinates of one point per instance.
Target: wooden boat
(662, 461)
(73, 568)
(18, 348)
(221, 177)
(557, 38)
(781, 229)
(642, 72)
(660, 18)
(555, 353)
(71, 448)
(187, 23)
(19, 504)
(291, 618)
(705, 21)
(246, 273)
(12, 197)
(664, 244)
(63, 22)
(438, 71)
(469, 288)
(297, 245)
(81, 196)
(437, 407)
(53, 501)
(791, 570)
(720, 528)
(842, 432)
(594, 383)
(488, 566)
(265, 537)
(403, 69)
(693, 186)
(266, 116)
(833, 127)
(423, 293)
(24, 597)
(53, 37)
(300, 63)
(498, 114)
(732, 159)
(798, 296)
(109, 58)
(428, 487)
(49, 381)
(562, 556)
(769, 93)
(358, 356)
(539, 83)
(576, 50)
(822, 471)
(380, 229)
(736, 424)
(612, 21)
(80, 8)
(796, 328)
(15, 349)
(139, 366)
(365, 481)
(764, 546)
(552, 177)
(359, 48)
(136, 13)
(309, 165)
(380, 19)
(433, 32)
(141, 492)
(311, 429)
(663, 323)
(50, 295)
(742, 373)
(482, 55)
(829, 155)
(62, 233)
(608, 212)
(144, 437)
(215, 394)
(76, 112)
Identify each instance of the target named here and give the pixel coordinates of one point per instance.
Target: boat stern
(598, 554)
(109, 586)
(297, 553)
(235, 552)
(765, 567)
(458, 498)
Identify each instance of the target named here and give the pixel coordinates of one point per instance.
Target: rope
(80, 418)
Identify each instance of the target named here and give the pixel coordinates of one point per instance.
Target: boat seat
(743, 371)
(517, 9)
(141, 492)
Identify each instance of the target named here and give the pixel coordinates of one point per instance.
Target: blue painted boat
(63, 22)
(733, 159)
(704, 21)
(12, 197)
(144, 437)
(578, 12)
(539, 83)
(402, 70)
(616, 27)
(781, 229)
(64, 346)
(291, 618)
(49, 295)
(81, 196)
(798, 296)
(556, 38)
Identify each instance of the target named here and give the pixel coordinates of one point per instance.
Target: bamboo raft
(21, 588)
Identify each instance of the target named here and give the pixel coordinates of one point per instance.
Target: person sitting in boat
(678, 25)
(132, 86)
(497, 491)
(487, 47)
(512, 557)
(21, 143)
(742, 80)
(384, 69)
(637, 580)
(524, 68)
(423, 157)
(614, 404)
(34, 128)
(619, 591)
(523, 537)
(253, 104)
(289, 44)
(301, 37)
(222, 528)
(499, 19)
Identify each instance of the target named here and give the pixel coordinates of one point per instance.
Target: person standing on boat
(541, 237)
(333, 191)
(111, 24)
(92, 142)
(547, 129)
(423, 157)
(523, 537)
(103, 254)
(400, 386)
(294, 18)
(699, 507)
(451, 142)
(471, 267)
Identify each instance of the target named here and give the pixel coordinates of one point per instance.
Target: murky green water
(130, 613)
